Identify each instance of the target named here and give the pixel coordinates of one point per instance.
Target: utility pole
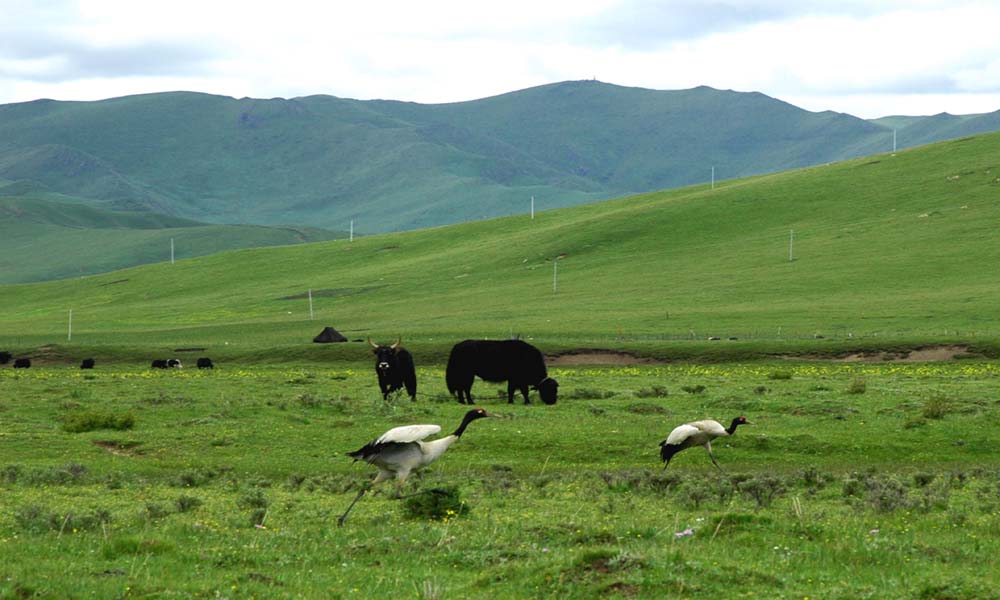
(791, 245)
(532, 208)
(310, 304)
(352, 231)
(171, 250)
(713, 177)
(69, 336)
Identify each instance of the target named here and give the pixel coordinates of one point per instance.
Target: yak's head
(385, 356)
(547, 389)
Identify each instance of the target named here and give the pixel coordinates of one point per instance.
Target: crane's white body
(696, 433)
(403, 450)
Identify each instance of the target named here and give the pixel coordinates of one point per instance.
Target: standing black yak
(22, 363)
(394, 367)
(518, 363)
(205, 363)
(87, 363)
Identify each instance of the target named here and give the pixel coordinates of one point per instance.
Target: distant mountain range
(389, 165)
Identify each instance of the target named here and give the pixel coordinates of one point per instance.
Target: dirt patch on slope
(598, 357)
(922, 354)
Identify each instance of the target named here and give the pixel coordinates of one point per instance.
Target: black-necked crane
(697, 433)
(402, 450)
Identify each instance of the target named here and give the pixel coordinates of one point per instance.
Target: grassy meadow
(857, 480)
(861, 480)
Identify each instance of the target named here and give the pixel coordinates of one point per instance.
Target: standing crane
(401, 450)
(697, 433)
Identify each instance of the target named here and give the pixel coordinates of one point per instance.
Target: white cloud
(863, 57)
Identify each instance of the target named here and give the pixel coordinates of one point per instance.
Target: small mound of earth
(923, 354)
(597, 357)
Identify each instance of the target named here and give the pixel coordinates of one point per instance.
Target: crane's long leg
(708, 446)
(343, 517)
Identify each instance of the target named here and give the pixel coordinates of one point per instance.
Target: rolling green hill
(50, 236)
(391, 165)
(886, 248)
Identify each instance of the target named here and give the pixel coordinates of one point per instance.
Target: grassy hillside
(48, 236)
(394, 165)
(886, 247)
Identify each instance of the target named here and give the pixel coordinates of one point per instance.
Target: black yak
(205, 363)
(518, 363)
(394, 367)
(166, 363)
(22, 363)
(87, 363)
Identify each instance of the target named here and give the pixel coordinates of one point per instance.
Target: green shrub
(935, 408)
(92, 420)
(186, 503)
(780, 375)
(437, 504)
(694, 389)
(655, 391)
(857, 386)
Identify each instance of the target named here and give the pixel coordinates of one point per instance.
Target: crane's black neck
(732, 427)
(470, 416)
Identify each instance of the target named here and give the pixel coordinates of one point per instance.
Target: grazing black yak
(518, 363)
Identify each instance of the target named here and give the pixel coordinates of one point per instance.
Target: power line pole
(532, 208)
(555, 276)
(171, 250)
(894, 140)
(713, 177)
(791, 245)
(69, 335)
(310, 304)
(352, 231)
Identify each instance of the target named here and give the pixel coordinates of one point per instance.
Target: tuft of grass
(441, 504)
(779, 375)
(935, 408)
(92, 420)
(694, 389)
(653, 391)
(857, 386)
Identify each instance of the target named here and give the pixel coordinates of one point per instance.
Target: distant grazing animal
(88, 363)
(22, 363)
(5, 357)
(697, 433)
(401, 450)
(166, 363)
(518, 363)
(394, 367)
(205, 363)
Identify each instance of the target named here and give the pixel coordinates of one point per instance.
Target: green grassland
(890, 249)
(48, 236)
(854, 481)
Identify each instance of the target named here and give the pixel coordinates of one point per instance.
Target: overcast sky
(866, 58)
